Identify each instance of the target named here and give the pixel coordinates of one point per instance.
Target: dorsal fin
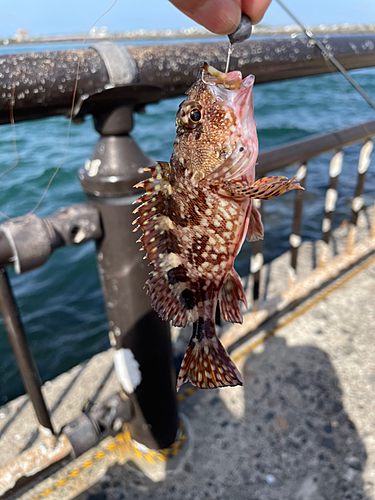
(173, 295)
(231, 293)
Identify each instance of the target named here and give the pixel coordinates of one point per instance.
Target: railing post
(357, 203)
(256, 262)
(295, 239)
(335, 168)
(18, 340)
(143, 356)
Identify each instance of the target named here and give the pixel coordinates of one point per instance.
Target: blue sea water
(61, 303)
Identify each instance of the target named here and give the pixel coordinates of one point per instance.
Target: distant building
(21, 35)
(99, 32)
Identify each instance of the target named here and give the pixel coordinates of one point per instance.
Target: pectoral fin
(263, 189)
(255, 230)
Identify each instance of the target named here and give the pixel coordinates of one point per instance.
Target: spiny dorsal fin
(169, 287)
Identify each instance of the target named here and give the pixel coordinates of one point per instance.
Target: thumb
(219, 16)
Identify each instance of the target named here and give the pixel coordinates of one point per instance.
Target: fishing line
(71, 114)
(69, 124)
(11, 119)
(346, 93)
(13, 125)
(326, 53)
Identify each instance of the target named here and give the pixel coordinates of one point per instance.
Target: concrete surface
(301, 428)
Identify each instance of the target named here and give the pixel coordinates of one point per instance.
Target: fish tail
(206, 363)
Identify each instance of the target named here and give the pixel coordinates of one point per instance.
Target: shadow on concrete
(286, 436)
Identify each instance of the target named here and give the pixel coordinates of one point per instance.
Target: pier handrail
(312, 146)
(41, 84)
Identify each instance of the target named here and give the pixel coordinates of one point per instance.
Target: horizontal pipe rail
(268, 59)
(41, 84)
(28, 241)
(302, 150)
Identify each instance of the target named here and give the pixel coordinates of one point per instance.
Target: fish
(195, 214)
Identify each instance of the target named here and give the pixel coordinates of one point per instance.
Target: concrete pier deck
(301, 428)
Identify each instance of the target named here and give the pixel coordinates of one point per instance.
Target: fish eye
(195, 115)
(189, 114)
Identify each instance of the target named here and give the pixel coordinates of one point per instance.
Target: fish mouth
(230, 81)
(237, 93)
(230, 88)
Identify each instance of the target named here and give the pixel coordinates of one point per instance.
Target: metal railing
(327, 268)
(137, 75)
(304, 150)
(114, 81)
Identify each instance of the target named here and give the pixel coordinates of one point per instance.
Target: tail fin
(206, 363)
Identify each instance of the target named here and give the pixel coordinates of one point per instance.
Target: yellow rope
(121, 443)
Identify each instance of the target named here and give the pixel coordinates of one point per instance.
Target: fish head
(216, 132)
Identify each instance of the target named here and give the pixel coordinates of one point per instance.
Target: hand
(222, 16)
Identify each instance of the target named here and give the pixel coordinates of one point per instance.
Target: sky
(53, 17)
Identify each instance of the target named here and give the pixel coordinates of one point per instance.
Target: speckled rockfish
(196, 213)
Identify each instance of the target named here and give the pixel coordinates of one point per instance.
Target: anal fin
(255, 230)
(231, 294)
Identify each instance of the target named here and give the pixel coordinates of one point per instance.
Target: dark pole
(143, 356)
(6, 252)
(26, 364)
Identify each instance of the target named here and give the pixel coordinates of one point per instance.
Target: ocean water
(61, 303)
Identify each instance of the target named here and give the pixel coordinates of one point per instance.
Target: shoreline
(188, 33)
